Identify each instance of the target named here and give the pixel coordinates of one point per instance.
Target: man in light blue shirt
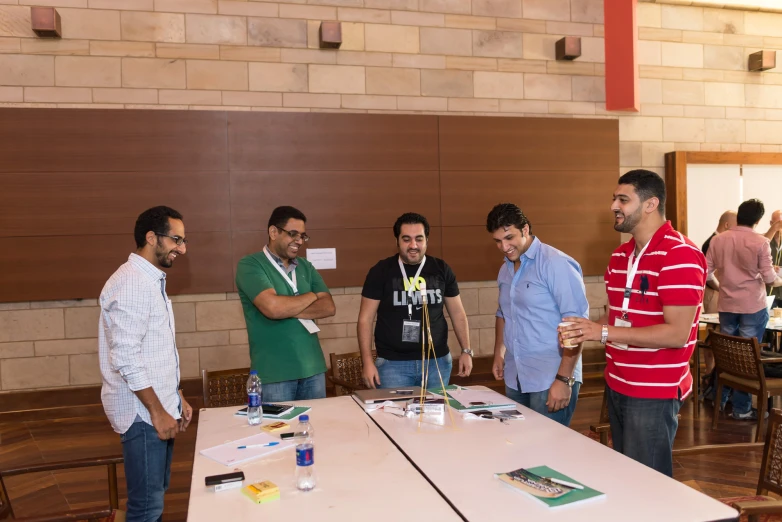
(539, 285)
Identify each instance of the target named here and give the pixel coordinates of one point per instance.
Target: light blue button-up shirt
(547, 287)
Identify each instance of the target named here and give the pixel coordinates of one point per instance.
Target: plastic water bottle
(254, 396)
(305, 455)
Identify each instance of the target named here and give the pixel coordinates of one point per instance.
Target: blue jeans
(743, 325)
(537, 401)
(147, 471)
(644, 429)
(396, 374)
(296, 390)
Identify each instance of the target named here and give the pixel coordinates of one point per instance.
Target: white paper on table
(322, 258)
(490, 398)
(228, 454)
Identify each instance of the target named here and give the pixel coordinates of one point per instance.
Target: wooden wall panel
(75, 267)
(364, 199)
(488, 143)
(544, 196)
(357, 250)
(73, 140)
(72, 183)
(74, 203)
(473, 255)
(318, 141)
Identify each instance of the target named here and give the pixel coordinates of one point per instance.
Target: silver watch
(468, 352)
(604, 334)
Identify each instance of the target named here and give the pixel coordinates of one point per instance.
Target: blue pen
(258, 445)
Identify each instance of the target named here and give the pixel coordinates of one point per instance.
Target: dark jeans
(147, 471)
(744, 325)
(296, 390)
(644, 429)
(537, 401)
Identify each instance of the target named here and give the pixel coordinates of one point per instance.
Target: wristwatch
(604, 334)
(570, 381)
(468, 352)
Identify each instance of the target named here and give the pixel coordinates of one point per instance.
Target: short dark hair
(750, 212)
(154, 219)
(647, 185)
(281, 215)
(410, 218)
(505, 215)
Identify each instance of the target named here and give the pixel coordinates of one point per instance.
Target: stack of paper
(230, 453)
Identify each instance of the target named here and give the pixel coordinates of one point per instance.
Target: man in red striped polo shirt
(655, 287)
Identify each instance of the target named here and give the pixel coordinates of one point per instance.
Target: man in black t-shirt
(397, 303)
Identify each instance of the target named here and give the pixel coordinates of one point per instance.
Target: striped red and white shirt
(671, 272)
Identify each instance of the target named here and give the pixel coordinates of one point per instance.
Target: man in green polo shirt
(281, 294)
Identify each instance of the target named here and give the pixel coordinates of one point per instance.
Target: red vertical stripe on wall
(621, 43)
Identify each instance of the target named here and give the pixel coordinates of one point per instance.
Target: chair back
(348, 367)
(737, 356)
(771, 469)
(225, 387)
(5, 503)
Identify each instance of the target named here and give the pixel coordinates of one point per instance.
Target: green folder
(458, 406)
(295, 412)
(573, 496)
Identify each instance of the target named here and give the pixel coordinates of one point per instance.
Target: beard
(162, 256)
(629, 222)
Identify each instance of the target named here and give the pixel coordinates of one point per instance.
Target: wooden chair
(225, 387)
(92, 514)
(770, 479)
(738, 364)
(346, 373)
(603, 426)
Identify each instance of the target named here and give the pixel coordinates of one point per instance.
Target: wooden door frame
(676, 176)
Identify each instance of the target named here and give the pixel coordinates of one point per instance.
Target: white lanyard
(309, 324)
(632, 268)
(290, 280)
(411, 289)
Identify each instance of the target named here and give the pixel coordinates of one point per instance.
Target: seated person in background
(392, 293)
(281, 293)
(743, 259)
(539, 285)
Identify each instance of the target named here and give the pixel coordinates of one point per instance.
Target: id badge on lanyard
(623, 321)
(309, 324)
(411, 330)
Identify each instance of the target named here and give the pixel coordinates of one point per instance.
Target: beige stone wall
(54, 343)
(493, 57)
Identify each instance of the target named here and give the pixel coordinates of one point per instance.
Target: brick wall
(54, 343)
(487, 57)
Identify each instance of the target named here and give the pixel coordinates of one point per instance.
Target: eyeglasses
(178, 240)
(295, 234)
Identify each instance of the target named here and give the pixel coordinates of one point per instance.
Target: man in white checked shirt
(139, 362)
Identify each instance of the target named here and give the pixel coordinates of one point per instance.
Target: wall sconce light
(762, 61)
(46, 22)
(330, 35)
(568, 48)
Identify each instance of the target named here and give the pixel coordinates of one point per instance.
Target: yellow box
(261, 492)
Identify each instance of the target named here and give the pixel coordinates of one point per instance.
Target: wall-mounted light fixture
(762, 60)
(46, 22)
(568, 48)
(330, 35)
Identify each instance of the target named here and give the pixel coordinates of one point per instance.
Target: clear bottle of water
(254, 396)
(305, 455)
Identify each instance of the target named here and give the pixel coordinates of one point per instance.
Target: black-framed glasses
(295, 234)
(178, 240)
